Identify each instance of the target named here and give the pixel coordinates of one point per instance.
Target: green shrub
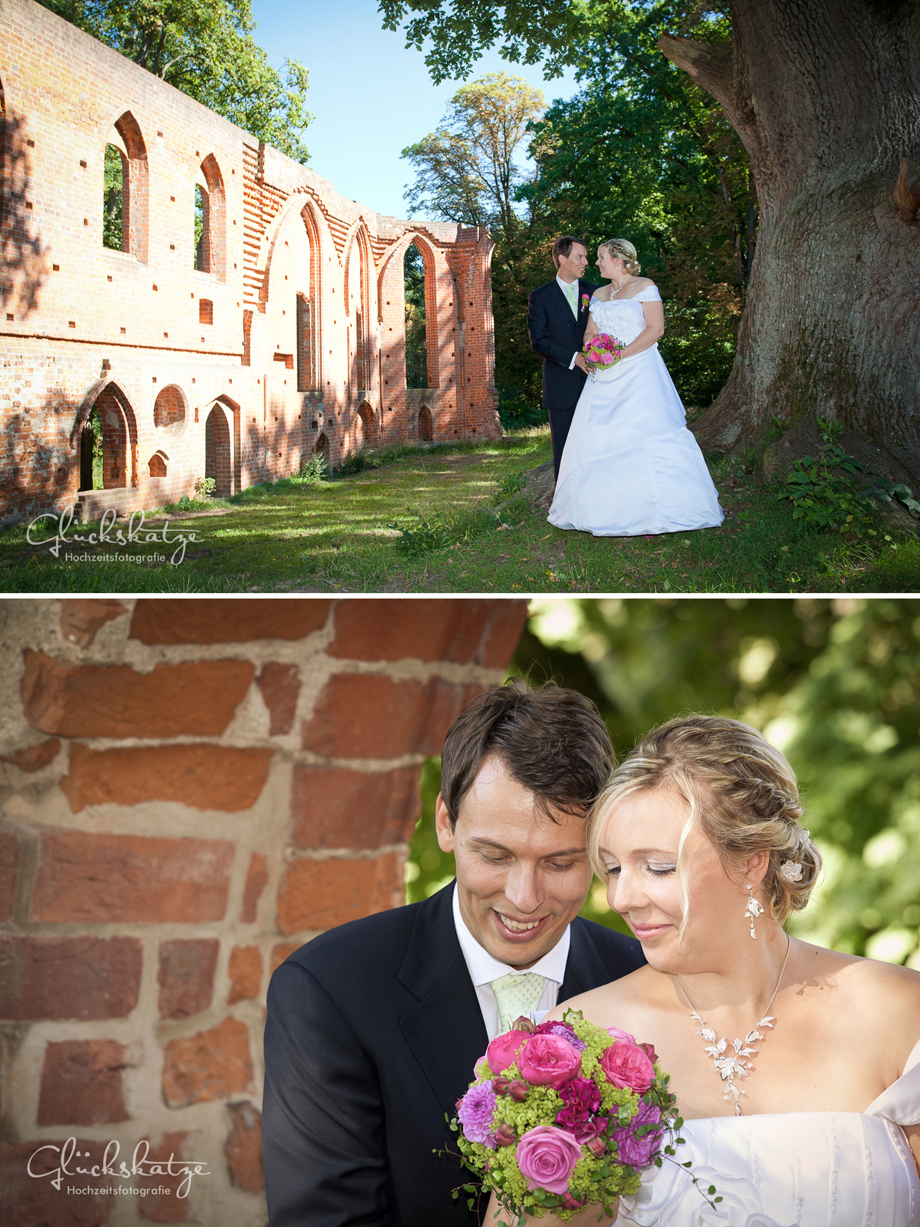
(316, 469)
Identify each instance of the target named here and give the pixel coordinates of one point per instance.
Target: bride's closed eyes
(660, 870)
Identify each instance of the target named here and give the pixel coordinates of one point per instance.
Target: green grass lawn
(452, 519)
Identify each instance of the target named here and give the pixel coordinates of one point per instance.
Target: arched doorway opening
(218, 453)
(365, 426)
(91, 453)
(108, 443)
(424, 427)
(416, 334)
(321, 446)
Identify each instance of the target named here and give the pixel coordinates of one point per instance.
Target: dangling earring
(753, 909)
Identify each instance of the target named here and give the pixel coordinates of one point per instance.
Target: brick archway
(424, 428)
(119, 438)
(218, 451)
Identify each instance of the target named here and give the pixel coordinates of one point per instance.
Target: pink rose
(621, 1035)
(503, 1050)
(627, 1065)
(547, 1158)
(550, 1061)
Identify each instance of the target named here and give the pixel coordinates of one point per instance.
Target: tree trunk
(825, 95)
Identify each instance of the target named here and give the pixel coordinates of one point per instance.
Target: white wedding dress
(630, 465)
(808, 1169)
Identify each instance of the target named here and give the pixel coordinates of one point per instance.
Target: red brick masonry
(194, 789)
(291, 340)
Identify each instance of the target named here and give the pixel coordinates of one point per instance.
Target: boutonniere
(585, 301)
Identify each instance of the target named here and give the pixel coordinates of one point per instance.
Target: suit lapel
(444, 1030)
(584, 968)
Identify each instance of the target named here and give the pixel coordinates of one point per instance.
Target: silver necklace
(733, 1065)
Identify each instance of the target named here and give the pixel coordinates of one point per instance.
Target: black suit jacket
(556, 334)
(372, 1033)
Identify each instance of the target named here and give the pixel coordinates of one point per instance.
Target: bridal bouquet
(601, 352)
(563, 1115)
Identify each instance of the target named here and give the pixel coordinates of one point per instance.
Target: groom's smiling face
(521, 877)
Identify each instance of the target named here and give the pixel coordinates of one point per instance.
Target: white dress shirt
(563, 286)
(483, 969)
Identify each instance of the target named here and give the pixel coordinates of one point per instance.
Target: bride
(817, 1121)
(630, 465)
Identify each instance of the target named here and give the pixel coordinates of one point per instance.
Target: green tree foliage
(113, 198)
(641, 152)
(94, 426)
(467, 172)
(835, 684)
(206, 49)
(416, 335)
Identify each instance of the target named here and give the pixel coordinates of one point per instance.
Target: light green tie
(516, 994)
(571, 293)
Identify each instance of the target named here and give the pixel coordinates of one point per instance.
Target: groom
(373, 1028)
(557, 314)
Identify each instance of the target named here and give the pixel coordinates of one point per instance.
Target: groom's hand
(581, 363)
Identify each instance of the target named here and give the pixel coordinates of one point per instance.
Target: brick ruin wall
(292, 342)
(191, 790)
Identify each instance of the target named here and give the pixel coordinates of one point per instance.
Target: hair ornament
(791, 871)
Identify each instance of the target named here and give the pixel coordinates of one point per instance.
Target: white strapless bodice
(797, 1169)
(622, 318)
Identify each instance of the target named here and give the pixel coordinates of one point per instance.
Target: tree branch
(709, 64)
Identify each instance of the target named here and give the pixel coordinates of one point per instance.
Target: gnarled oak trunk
(825, 95)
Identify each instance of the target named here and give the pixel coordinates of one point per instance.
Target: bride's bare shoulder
(615, 1003)
(602, 293)
(883, 997)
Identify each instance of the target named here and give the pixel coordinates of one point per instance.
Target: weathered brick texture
(68, 977)
(81, 1083)
(115, 701)
(213, 1064)
(231, 621)
(89, 877)
(186, 976)
(221, 780)
(204, 777)
(337, 807)
(28, 1202)
(289, 339)
(318, 894)
(9, 870)
(348, 721)
(244, 1148)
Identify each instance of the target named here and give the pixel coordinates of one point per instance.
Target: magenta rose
(547, 1158)
(627, 1065)
(549, 1061)
(503, 1050)
(638, 1151)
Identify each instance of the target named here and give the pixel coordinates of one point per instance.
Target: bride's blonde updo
(742, 795)
(622, 249)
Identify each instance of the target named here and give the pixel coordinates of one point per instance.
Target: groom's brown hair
(552, 741)
(563, 245)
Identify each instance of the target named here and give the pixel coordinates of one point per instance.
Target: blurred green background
(835, 684)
